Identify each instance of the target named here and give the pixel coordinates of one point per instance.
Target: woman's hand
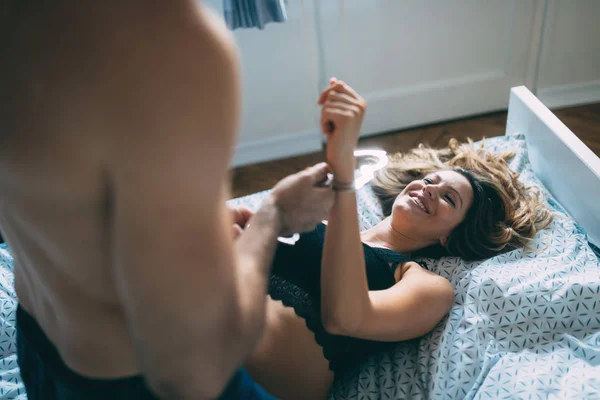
(343, 110)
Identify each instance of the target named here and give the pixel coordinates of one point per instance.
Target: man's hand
(301, 202)
(241, 216)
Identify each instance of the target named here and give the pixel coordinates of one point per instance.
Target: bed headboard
(566, 166)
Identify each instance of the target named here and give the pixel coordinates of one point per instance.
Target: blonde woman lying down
(338, 294)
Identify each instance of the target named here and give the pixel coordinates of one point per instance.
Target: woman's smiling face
(429, 209)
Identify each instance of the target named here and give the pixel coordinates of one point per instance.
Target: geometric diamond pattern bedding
(525, 324)
(11, 386)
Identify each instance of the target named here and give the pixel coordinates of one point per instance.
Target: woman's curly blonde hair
(505, 214)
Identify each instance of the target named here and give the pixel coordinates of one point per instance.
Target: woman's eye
(449, 198)
(427, 181)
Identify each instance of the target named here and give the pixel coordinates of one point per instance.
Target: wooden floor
(584, 121)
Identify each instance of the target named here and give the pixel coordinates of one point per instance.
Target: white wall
(415, 63)
(280, 86)
(418, 62)
(280, 78)
(569, 66)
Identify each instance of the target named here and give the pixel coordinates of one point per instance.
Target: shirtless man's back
(117, 126)
(56, 189)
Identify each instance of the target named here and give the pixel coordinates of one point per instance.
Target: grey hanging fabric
(253, 13)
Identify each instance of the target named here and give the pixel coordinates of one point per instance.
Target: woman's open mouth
(420, 204)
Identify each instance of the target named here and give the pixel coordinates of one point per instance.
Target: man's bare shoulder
(111, 62)
(174, 72)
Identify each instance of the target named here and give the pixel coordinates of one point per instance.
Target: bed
(525, 324)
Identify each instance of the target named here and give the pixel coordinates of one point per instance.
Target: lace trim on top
(389, 256)
(342, 352)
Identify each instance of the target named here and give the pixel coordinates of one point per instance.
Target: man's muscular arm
(191, 317)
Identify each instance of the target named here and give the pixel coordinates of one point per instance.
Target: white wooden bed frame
(566, 166)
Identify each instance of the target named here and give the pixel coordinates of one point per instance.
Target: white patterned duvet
(525, 324)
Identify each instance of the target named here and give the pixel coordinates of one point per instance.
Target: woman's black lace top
(296, 281)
